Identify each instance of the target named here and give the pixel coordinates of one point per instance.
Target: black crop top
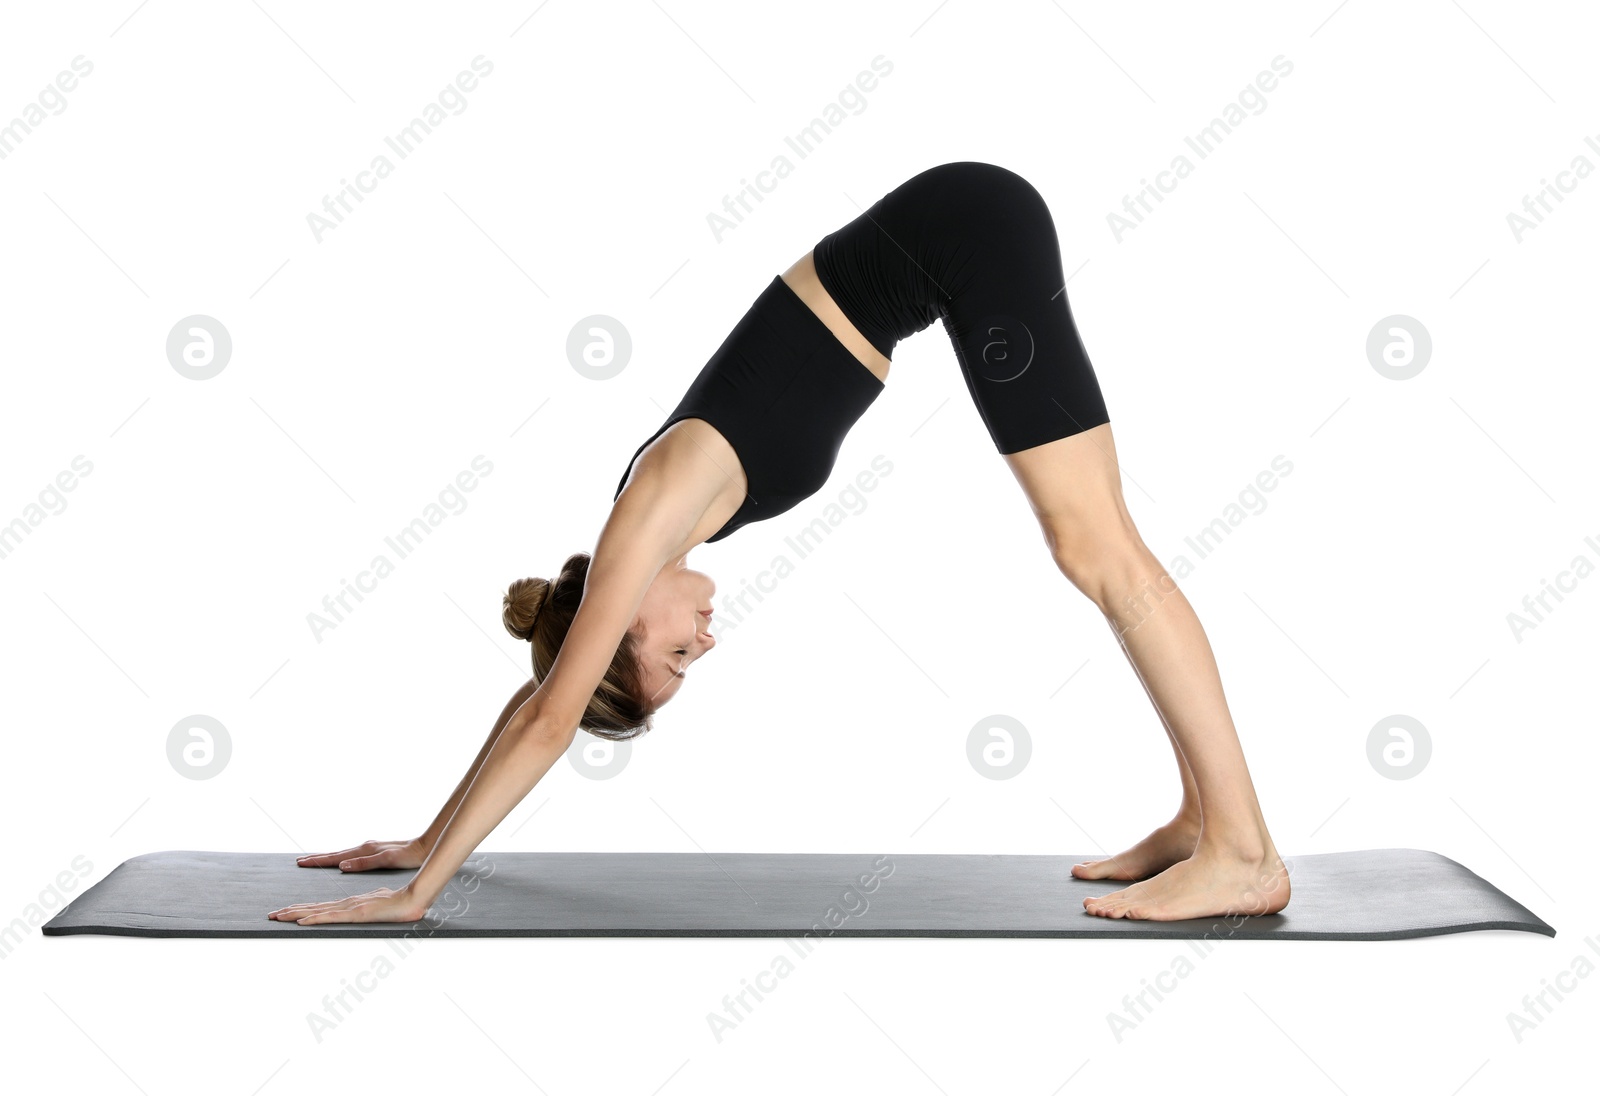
(784, 391)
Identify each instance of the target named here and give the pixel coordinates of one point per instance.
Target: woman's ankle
(1243, 841)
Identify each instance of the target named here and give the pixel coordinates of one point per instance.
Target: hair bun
(523, 600)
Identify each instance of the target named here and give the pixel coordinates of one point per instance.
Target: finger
(300, 909)
(326, 859)
(361, 863)
(340, 903)
(302, 912)
(352, 915)
(315, 905)
(291, 913)
(329, 859)
(296, 907)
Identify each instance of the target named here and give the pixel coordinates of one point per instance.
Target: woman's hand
(382, 904)
(371, 854)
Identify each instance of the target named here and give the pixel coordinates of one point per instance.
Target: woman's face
(675, 623)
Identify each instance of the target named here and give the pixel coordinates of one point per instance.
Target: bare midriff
(802, 278)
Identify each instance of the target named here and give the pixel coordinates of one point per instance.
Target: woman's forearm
(518, 759)
(430, 836)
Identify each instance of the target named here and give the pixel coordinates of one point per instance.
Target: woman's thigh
(1008, 317)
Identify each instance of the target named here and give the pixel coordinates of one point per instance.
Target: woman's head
(670, 631)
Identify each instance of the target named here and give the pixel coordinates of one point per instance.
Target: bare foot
(1165, 846)
(1208, 884)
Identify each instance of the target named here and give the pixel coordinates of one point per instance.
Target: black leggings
(973, 244)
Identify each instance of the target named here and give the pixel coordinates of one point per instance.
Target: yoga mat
(1381, 894)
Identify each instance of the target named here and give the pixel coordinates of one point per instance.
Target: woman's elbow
(542, 733)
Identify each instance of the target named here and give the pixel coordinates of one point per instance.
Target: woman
(758, 431)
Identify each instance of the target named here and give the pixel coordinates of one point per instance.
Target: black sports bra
(784, 391)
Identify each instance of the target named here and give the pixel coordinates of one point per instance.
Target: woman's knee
(1103, 562)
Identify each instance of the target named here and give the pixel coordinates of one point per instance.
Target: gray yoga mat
(1382, 894)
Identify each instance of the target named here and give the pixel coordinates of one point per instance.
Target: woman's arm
(699, 483)
(410, 854)
(643, 533)
(646, 529)
(430, 836)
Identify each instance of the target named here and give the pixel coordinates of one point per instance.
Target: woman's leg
(976, 242)
(1169, 842)
(1074, 487)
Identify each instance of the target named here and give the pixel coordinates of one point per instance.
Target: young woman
(758, 431)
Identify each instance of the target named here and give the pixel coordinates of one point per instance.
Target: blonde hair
(541, 612)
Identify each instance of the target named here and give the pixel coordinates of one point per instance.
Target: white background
(370, 368)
